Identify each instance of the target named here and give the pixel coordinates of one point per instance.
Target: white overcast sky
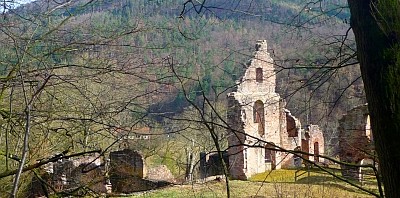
(24, 1)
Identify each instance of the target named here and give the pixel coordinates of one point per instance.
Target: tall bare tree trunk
(25, 151)
(376, 25)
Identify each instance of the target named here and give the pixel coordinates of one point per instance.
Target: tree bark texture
(375, 24)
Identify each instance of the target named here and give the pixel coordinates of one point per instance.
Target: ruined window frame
(291, 128)
(367, 128)
(258, 111)
(259, 116)
(259, 75)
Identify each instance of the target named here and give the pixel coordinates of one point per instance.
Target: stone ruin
(124, 172)
(128, 173)
(71, 176)
(355, 141)
(210, 164)
(312, 141)
(161, 174)
(256, 112)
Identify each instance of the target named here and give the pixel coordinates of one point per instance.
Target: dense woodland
(75, 74)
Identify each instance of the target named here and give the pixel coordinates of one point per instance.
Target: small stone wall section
(124, 172)
(160, 173)
(355, 140)
(67, 175)
(127, 169)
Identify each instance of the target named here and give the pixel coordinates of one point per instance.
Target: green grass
(283, 175)
(280, 175)
(278, 183)
(249, 189)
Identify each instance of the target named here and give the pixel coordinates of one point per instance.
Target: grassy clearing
(279, 183)
(249, 189)
(283, 175)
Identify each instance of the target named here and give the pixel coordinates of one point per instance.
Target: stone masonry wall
(236, 138)
(259, 121)
(127, 169)
(69, 175)
(253, 89)
(160, 173)
(316, 143)
(355, 139)
(290, 138)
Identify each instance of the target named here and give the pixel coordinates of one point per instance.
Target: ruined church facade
(256, 112)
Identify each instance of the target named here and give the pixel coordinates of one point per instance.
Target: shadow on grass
(316, 179)
(329, 181)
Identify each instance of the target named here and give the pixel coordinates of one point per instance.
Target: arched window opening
(258, 116)
(368, 132)
(258, 111)
(259, 75)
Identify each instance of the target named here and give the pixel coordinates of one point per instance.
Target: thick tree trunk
(376, 27)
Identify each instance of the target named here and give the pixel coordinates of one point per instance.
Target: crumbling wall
(127, 170)
(355, 140)
(262, 60)
(256, 112)
(126, 174)
(290, 138)
(316, 143)
(37, 188)
(236, 138)
(85, 171)
(256, 91)
(160, 173)
(68, 175)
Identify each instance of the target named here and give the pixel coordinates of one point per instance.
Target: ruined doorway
(316, 152)
(270, 158)
(258, 116)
